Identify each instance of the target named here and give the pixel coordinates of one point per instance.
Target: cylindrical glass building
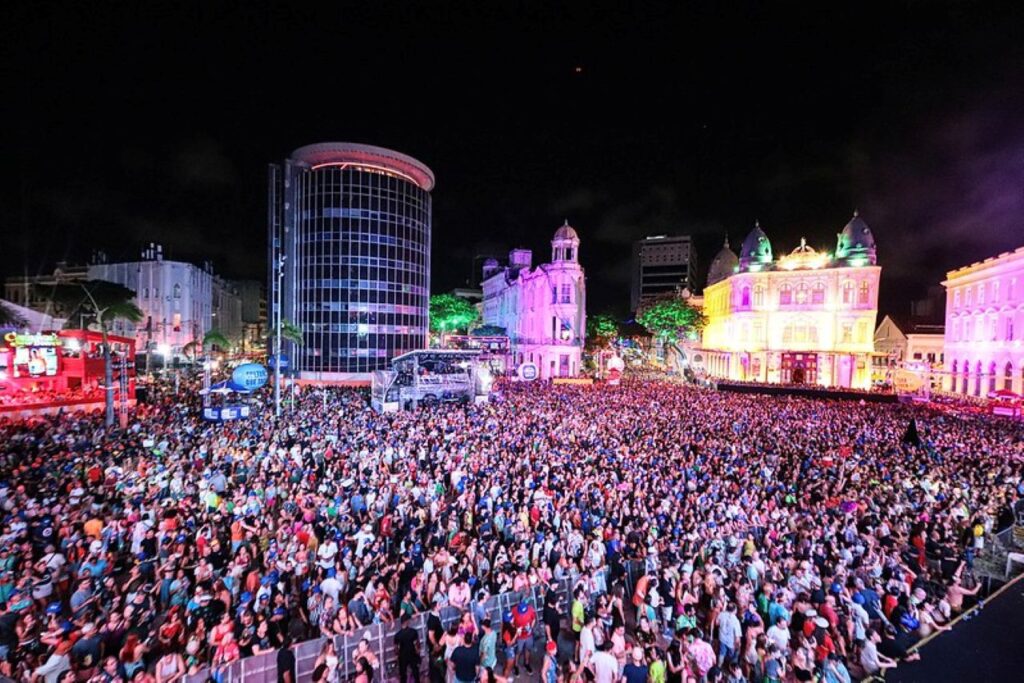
(350, 232)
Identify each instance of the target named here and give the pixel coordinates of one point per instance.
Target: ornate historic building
(542, 308)
(985, 326)
(804, 318)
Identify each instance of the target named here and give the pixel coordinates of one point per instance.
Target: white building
(176, 299)
(542, 308)
(910, 344)
(985, 326)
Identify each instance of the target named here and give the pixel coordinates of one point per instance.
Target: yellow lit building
(804, 318)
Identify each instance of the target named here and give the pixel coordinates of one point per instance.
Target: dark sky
(132, 122)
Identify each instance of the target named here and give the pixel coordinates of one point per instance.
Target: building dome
(565, 233)
(756, 249)
(856, 244)
(723, 265)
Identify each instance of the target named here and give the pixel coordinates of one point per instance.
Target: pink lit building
(985, 326)
(542, 308)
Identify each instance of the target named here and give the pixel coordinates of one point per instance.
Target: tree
(8, 318)
(290, 332)
(101, 303)
(601, 330)
(214, 339)
(671, 318)
(450, 313)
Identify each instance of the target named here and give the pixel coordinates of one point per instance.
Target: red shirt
(524, 621)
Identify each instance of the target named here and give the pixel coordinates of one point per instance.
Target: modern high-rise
(662, 263)
(350, 256)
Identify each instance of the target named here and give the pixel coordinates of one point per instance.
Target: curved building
(350, 237)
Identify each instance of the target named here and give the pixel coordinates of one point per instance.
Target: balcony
(541, 341)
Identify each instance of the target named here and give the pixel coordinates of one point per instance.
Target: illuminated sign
(16, 340)
(528, 372)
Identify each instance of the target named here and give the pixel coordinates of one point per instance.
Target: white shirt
(779, 636)
(606, 667)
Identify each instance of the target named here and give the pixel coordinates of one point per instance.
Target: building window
(862, 293)
(846, 335)
(785, 295)
(145, 292)
(801, 294)
(956, 331)
(956, 299)
(177, 323)
(554, 294)
(848, 292)
(818, 294)
(981, 294)
(566, 294)
(862, 332)
(1009, 329)
(177, 291)
(952, 378)
(992, 328)
(745, 299)
(995, 292)
(968, 298)
(1008, 376)
(991, 377)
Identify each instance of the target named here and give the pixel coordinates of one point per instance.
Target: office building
(661, 264)
(985, 326)
(350, 249)
(542, 308)
(804, 318)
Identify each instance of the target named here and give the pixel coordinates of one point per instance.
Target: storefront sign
(527, 372)
(17, 340)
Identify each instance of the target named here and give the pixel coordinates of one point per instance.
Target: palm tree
(214, 339)
(102, 303)
(8, 318)
(290, 332)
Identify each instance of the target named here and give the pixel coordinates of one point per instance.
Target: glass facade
(356, 274)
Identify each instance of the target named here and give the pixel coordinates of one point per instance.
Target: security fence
(381, 638)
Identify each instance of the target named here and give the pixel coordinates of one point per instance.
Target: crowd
(778, 538)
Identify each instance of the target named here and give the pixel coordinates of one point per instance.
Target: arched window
(745, 297)
(785, 295)
(992, 377)
(177, 291)
(1008, 376)
(848, 292)
(818, 293)
(952, 378)
(801, 294)
(967, 378)
(977, 378)
(759, 295)
(862, 293)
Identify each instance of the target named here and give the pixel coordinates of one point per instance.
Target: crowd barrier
(810, 392)
(263, 668)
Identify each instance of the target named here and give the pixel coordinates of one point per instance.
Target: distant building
(30, 290)
(985, 326)
(542, 308)
(176, 299)
(226, 309)
(254, 313)
(352, 224)
(662, 263)
(31, 320)
(900, 343)
(803, 318)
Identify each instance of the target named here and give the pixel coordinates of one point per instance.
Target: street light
(163, 350)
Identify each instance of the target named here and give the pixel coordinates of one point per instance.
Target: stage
(984, 645)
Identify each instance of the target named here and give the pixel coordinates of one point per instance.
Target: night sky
(154, 121)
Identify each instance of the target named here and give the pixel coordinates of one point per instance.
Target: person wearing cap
(524, 618)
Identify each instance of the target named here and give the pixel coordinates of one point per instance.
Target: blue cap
(53, 608)
(507, 616)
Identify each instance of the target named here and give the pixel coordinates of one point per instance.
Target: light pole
(278, 276)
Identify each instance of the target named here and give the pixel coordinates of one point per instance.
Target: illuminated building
(912, 344)
(350, 237)
(661, 264)
(804, 318)
(985, 326)
(175, 297)
(542, 308)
